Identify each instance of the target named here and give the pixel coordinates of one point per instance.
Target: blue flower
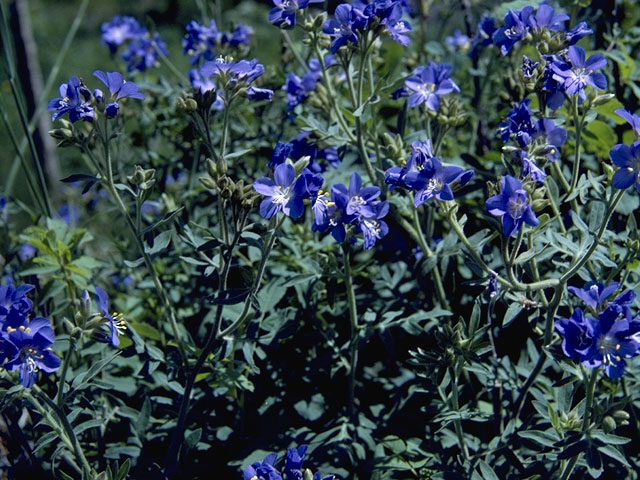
(594, 294)
(264, 470)
(428, 84)
(514, 30)
(74, 99)
(458, 41)
(528, 67)
(115, 323)
(14, 302)
(519, 123)
(576, 33)
(200, 40)
(628, 159)
(554, 137)
(512, 205)
(119, 30)
(530, 169)
(421, 155)
(545, 18)
(484, 37)
(27, 347)
(243, 71)
(343, 28)
(119, 88)
(580, 72)
(284, 194)
(241, 35)
(3, 202)
(605, 341)
(283, 15)
(631, 118)
(293, 463)
(143, 52)
(255, 93)
(396, 27)
(361, 201)
(434, 181)
(374, 228)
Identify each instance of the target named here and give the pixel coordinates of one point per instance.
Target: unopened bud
(301, 164)
(221, 166)
(603, 99)
(211, 168)
(608, 424)
(207, 182)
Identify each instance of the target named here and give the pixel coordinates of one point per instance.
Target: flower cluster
(519, 24)
(235, 77)
(266, 470)
(356, 206)
(283, 15)
(200, 40)
(606, 338)
(537, 139)
(25, 344)
(303, 146)
(512, 205)
(142, 49)
(353, 19)
(574, 73)
(78, 101)
(299, 88)
(627, 157)
(426, 175)
(427, 84)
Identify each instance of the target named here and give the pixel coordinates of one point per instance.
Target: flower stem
(456, 408)
(353, 317)
(437, 279)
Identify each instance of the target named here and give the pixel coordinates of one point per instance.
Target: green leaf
(193, 438)
(160, 242)
(487, 471)
(544, 438)
(613, 452)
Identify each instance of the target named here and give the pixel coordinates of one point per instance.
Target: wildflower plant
(397, 240)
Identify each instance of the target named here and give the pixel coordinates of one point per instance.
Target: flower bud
(308, 475)
(608, 424)
(85, 304)
(207, 182)
(540, 204)
(112, 109)
(191, 105)
(603, 99)
(301, 164)
(61, 134)
(221, 166)
(98, 95)
(620, 416)
(211, 168)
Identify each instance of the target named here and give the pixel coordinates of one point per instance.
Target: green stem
(294, 50)
(332, 93)
(63, 373)
(516, 286)
(136, 234)
(426, 251)
(456, 408)
(590, 384)
(576, 162)
(353, 317)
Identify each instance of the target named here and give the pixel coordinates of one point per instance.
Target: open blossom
(343, 28)
(631, 118)
(284, 193)
(263, 470)
(144, 52)
(74, 100)
(351, 205)
(283, 15)
(595, 294)
(114, 322)
(396, 27)
(512, 205)
(119, 30)
(119, 88)
(434, 181)
(200, 40)
(428, 84)
(580, 72)
(628, 159)
(606, 341)
(515, 29)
